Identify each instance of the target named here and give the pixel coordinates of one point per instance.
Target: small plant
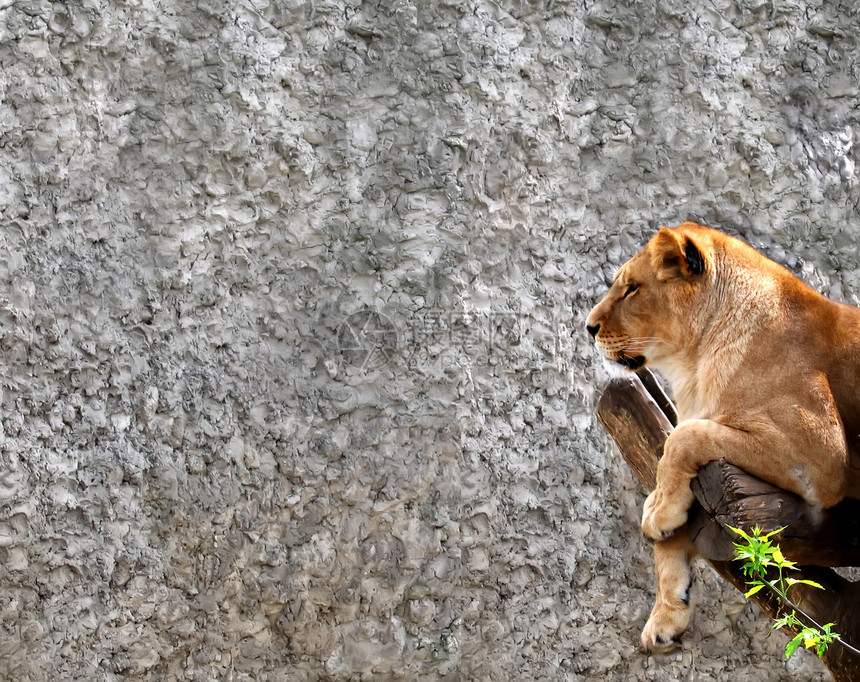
(761, 557)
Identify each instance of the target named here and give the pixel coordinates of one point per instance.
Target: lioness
(765, 372)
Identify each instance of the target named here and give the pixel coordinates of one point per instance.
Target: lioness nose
(592, 329)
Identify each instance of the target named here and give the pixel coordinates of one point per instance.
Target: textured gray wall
(293, 379)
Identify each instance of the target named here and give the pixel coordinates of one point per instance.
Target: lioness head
(651, 305)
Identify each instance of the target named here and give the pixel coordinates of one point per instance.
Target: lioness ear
(675, 255)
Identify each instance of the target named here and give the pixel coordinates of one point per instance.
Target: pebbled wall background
(293, 379)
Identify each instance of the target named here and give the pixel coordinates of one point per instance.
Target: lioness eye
(631, 290)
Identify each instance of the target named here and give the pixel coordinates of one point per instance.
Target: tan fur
(765, 373)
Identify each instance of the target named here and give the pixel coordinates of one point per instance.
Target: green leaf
(791, 647)
(740, 532)
(754, 590)
(826, 629)
(810, 637)
(795, 581)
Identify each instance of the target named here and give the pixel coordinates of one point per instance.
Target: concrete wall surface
(293, 378)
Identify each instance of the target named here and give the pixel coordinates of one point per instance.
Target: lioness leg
(671, 614)
(813, 466)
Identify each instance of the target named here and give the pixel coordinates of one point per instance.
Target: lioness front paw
(666, 624)
(662, 515)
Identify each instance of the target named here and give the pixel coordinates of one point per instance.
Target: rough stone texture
(293, 382)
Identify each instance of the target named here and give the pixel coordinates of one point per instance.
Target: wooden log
(632, 415)
(633, 418)
(728, 496)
